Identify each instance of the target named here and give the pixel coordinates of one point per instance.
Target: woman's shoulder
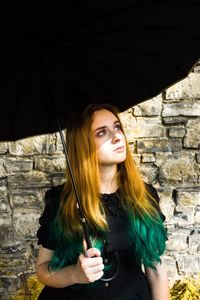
(52, 196)
(52, 200)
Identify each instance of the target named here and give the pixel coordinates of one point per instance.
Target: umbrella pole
(80, 210)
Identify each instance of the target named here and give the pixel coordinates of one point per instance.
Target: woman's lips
(119, 149)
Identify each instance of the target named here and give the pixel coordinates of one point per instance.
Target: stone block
(44, 144)
(148, 157)
(170, 265)
(6, 236)
(26, 222)
(184, 216)
(175, 121)
(2, 169)
(27, 198)
(189, 87)
(13, 164)
(190, 108)
(149, 172)
(197, 217)
(149, 108)
(192, 137)
(144, 131)
(194, 243)
(50, 164)
(3, 148)
(177, 167)
(185, 198)
(177, 242)
(33, 179)
(177, 132)
(166, 204)
(159, 145)
(188, 264)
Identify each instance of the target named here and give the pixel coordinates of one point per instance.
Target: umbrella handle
(116, 271)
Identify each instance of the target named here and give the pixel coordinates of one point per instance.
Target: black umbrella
(57, 58)
(60, 54)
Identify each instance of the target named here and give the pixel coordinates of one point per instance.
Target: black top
(130, 282)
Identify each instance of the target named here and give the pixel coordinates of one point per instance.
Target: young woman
(123, 217)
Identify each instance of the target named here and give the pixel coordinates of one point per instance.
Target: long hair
(135, 197)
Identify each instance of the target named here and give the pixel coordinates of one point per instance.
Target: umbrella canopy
(57, 58)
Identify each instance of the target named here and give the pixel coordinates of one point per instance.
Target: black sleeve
(44, 233)
(152, 191)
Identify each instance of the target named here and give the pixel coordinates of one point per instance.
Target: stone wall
(164, 135)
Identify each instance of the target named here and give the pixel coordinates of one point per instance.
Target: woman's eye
(118, 127)
(101, 133)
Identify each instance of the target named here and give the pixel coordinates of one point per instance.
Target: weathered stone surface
(50, 164)
(4, 205)
(194, 243)
(183, 108)
(50, 145)
(177, 167)
(35, 145)
(184, 215)
(198, 158)
(184, 198)
(186, 88)
(170, 265)
(145, 130)
(177, 241)
(177, 132)
(25, 222)
(159, 145)
(148, 157)
(197, 68)
(149, 172)
(3, 182)
(13, 164)
(15, 265)
(59, 145)
(188, 264)
(2, 170)
(27, 198)
(58, 179)
(192, 137)
(6, 218)
(149, 108)
(33, 179)
(175, 121)
(9, 283)
(197, 217)
(3, 148)
(3, 192)
(7, 237)
(166, 204)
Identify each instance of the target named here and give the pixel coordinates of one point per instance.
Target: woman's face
(109, 138)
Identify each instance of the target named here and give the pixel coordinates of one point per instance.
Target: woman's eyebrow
(99, 128)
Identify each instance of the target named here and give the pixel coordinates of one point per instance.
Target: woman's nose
(115, 136)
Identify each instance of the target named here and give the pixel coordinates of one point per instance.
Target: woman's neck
(108, 179)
